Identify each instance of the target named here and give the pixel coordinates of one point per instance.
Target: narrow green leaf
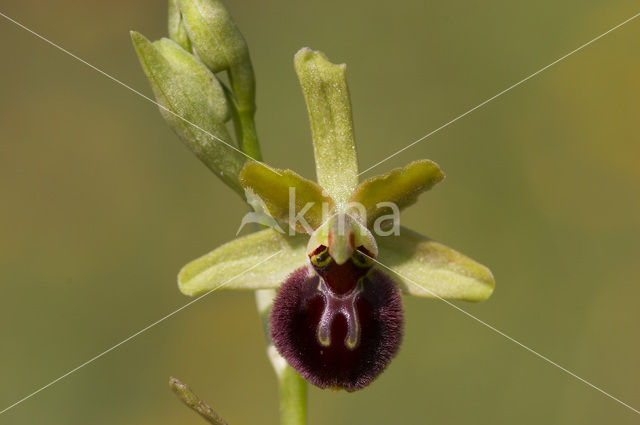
(426, 268)
(233, 265)
(326, 93)
(184, 86)
(280, 190)
(400, 187)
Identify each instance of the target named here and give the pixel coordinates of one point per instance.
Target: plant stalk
(246, 132)
(293, 398)
(293, 389)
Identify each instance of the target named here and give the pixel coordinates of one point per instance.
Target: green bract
(193, 103)
(342, 214)
(204, 41)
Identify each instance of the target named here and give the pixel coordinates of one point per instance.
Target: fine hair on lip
(296, 316)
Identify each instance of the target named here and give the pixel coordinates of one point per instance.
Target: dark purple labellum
(338, 333)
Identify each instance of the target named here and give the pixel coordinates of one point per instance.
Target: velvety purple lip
(337, 339)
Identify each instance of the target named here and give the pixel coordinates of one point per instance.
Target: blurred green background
(101, 205)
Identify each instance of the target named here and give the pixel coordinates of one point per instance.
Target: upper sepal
(426, 268)
(326, 93)
(233, 265)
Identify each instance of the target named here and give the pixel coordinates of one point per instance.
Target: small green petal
(400, 187)
(325, 89)
(233, 265)
(177, 31)
(279, 190)
(426, 268)
(184, 86)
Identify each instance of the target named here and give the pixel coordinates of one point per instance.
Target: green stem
(293, 398)
(246, 132)
(293, 389)
(242, 81)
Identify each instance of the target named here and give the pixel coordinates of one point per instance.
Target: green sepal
(177, 30)
(400, 187)
(274, 187)
(425, 268)
(326, 93)
(184, 86)
(233, 265)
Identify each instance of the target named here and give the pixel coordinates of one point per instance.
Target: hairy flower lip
(296, 318)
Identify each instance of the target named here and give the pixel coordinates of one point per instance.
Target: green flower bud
(217, 41)
(193, 102)
(177, 30)
(215, 37)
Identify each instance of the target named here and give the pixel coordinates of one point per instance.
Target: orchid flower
(333, 250)
(338, 315)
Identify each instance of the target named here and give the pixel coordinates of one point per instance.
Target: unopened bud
(177, 30)
(193, 102)
(218, 43)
